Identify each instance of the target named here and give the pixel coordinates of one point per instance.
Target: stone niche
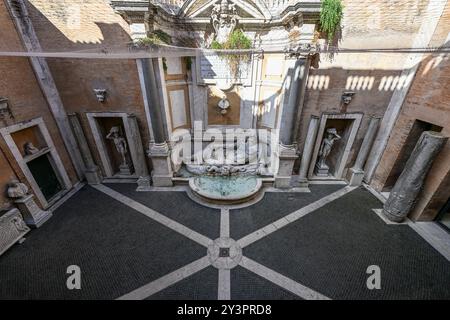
(346, 126)
(233, 112)
(119, 144)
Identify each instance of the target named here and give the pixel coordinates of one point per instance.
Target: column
(291, 107)
(92, 172)
(137, 153)
(408, 186)
(356, 173)
(307, 150)
(159, 151)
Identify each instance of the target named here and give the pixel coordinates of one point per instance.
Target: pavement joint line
(224, 223)
(224, 285)
(294, 216)
(165, 281)
(281, 281)
(156, 216)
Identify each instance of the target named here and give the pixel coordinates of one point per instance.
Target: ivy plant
(330, 17)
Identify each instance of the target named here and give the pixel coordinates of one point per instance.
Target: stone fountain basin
(229, 189)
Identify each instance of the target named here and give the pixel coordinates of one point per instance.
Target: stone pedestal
(12, 229)
(307, 151)
(288, 155)
(322, 170)
(32, 214)
(408, 186)
(124, 170)
(356, 173)
(143, 183)
(162, 169)
(93, 175)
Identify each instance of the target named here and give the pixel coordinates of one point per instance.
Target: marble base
(12, 229)
(93, 176)
(124, 170)
(302, 183)
(32, 214)
(162, 180)
(143, 183)
(322, 171)
(355, 177)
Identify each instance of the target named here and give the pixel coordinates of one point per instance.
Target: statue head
(17, 189)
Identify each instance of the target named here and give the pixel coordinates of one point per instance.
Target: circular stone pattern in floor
(224, 253)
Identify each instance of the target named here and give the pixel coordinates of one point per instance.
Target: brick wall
(372, 76)
(82, 25)
(428, 100)
(18, 83)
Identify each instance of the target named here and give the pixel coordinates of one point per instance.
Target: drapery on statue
(120, 144)
(325, 149)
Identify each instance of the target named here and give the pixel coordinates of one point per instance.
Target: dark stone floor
(119, 249)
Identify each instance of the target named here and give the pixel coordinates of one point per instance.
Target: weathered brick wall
(79, 25)
(428, 100)
(372, 76)
(18, 83)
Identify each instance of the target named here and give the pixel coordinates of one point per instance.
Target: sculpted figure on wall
(327, 144)
(224, 20)
(30, 149)
(17, 190)
(121, 147)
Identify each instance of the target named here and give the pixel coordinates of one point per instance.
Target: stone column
(159, 151)
(137, 153)
(408, 186)
(291, 106)
(92, 172)
(356, 173)
(307, 150)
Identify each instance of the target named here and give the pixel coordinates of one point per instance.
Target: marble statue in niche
(121, 147)
(322, 169)
(30, 149)
(224, 20)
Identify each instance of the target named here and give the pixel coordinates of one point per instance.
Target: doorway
(443, 217)
(45, 176)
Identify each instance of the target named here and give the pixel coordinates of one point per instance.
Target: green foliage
(237, 40)
(330, 16)
(216, 45)
(157, 37)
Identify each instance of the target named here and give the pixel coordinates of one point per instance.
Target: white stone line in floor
(224, 223)
(224, 292)
(438, 238)
(379, 213)
(261, 233)
(152, 214)
(375, 193)
(327, 182)
(290, 190)
(281, 281)
(167, 280)
(159, 189)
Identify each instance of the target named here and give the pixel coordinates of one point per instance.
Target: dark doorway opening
(416, 131)
(443, 217)
(45, 176)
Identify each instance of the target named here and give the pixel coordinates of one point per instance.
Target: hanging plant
(237, 40)
(330, 17)
(157, 37)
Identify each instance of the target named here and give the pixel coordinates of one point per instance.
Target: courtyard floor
(163, 245)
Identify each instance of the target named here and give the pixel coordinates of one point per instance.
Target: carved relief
(223, 19)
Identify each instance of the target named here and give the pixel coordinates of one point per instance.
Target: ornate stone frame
(357, 117)
(56, 162)
(136, 148)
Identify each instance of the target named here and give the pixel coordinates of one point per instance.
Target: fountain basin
(225, 189)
